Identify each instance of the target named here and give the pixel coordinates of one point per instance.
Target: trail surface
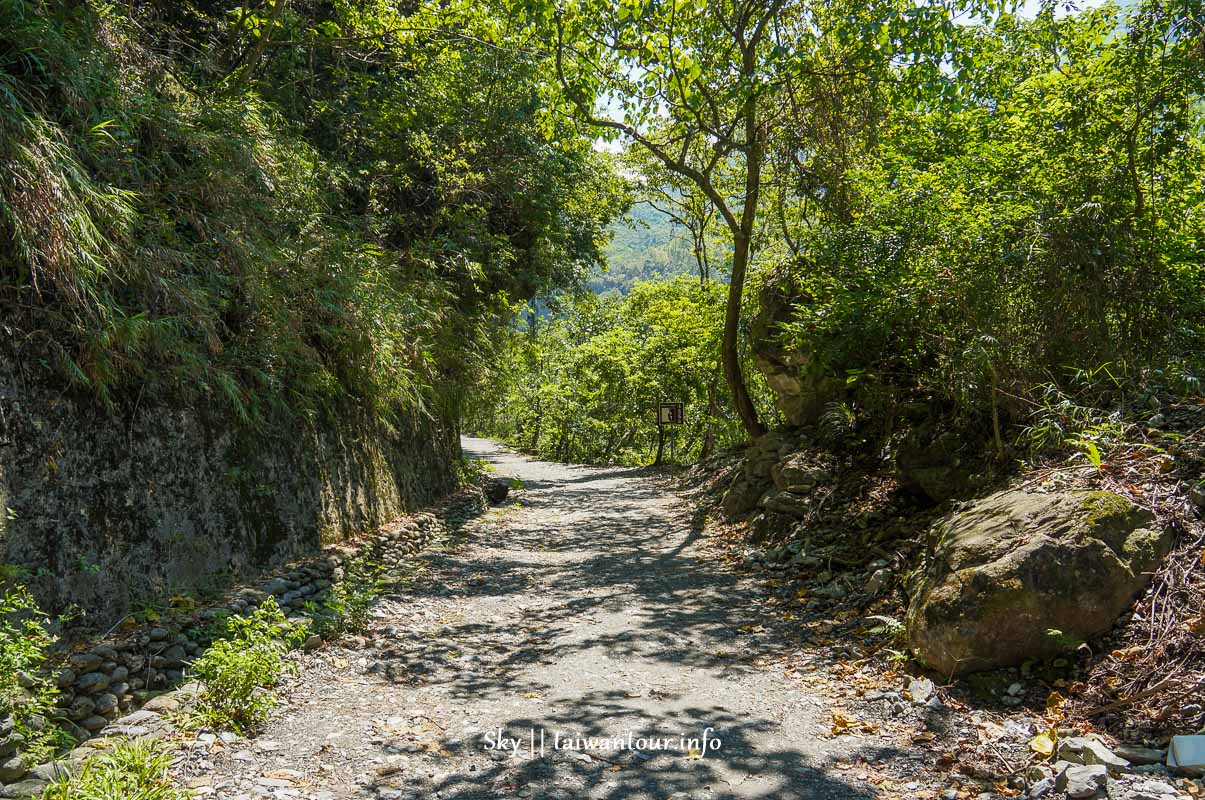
(585, 607)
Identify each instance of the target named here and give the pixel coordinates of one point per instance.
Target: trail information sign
(671, 414)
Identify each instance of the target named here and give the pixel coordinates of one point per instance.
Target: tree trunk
(260, 45)
(660, 445)
(713, 412)
(729, 348)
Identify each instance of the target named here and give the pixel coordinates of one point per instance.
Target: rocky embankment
(1062, 608)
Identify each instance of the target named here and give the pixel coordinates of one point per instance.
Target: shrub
(26, 694)
(239, 671)
(349, 606)
(134, 770)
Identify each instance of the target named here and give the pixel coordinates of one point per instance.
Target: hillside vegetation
(280, 206)
(646, 245)
(991, 231)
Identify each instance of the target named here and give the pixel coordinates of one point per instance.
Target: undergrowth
(179, 224)
(26, 693)
(239, 672)
(348, 608)
(132, 770)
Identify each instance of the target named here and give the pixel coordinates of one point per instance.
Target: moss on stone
(1102, 507)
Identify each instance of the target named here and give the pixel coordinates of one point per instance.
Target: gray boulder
(1021, 575)
(797, 474)
(1087, 750)
(786, 503)
(12, 770)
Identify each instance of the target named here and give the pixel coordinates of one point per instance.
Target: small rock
(162, 703)
(497, 490)
(1151, 790)
(56, 769)
(85, 662)
(1083, 781)
(833, 591)
(94, 723)
(313, 642)
(277, 586)
(80, 708)
(1140, 755)
(30, 787)
(159, 634)
(10, 744)
(921, 690)
(1197, 495)
(1041, 789)
(877, 581)
(93, 683)
(13, 770)
(105, 703)
(1088, 751)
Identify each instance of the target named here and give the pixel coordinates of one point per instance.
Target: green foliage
(645, 246)
(586, 387)
(275, 213)
(239, 671)
(132, 770)
(471, 470)
(1029, 238)
(348, 608)
(25, 693)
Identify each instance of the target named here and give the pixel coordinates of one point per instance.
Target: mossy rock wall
(104, 511)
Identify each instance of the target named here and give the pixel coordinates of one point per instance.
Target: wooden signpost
(667, 414)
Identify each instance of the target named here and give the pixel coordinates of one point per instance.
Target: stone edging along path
(133, 685)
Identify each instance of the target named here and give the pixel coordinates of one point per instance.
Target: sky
(1032, 6)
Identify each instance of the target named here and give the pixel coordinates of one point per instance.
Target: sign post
(671, 413)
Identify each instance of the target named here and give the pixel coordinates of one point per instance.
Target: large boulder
(799, 473)
(1021, 575)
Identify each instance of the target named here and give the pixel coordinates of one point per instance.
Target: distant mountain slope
(647, 245)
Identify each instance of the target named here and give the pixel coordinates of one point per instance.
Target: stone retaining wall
(121, 686)
(105, 511)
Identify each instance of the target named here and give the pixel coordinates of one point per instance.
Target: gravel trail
(583, 607)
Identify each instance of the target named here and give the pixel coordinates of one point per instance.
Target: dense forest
(997, 222)
(647, 244)
(283, 207)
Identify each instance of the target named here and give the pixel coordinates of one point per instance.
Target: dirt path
(588, 610)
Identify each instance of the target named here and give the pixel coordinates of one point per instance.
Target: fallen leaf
(1043, 744)
(1054, 705)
